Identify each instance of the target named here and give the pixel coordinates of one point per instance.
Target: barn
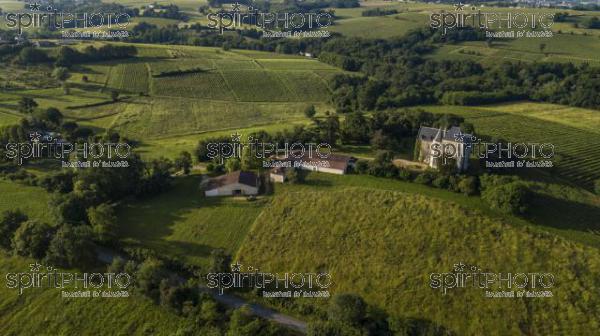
(238, 183)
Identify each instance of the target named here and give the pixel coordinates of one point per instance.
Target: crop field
(129, 77)
(183, 223)
(385, 247)
(574, 132)
(304, 85)
(256, 85)
(206, 85)
(158, 68)
(294, 64)
(236, 64)
(561, 48)
(380, 26)
(164, 117)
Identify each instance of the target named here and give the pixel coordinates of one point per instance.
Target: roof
(242, 177)
(335, 161)
(437, 134)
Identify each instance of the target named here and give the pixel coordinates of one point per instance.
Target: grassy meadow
(43, 311)
(182, 223)
(385, 246)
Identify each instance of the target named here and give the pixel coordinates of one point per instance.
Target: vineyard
(129, 77)
(573, 132)
(204, 85)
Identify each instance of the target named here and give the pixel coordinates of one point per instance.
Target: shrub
(441, 182)
(71, 246)
(9, 223)
(511, 198)
(468, 185)
(362, 166)
(295, 175)
(349, 309)
(31, 239)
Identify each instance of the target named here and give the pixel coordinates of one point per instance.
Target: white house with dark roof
(433, 141)
(238, 183)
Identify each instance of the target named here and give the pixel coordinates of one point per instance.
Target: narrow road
(259, 310)
(106, 256)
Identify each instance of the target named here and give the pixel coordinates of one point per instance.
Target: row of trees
(67, 56)
(507, 194)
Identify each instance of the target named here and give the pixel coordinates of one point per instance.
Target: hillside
(385, 247)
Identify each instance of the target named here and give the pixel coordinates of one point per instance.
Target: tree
(10, 220)
(61, 73)
(511, 198)
(310, 111)
(184, 162)
(220, 261)
(542, 47)
(355, 129)
(31, 239)
(468, 185)
(71, 247)
(103, 221)
(149, 276)
(26, 105)
(349, 309)
(242, 323)
(249, 159)
(31, 55)
(295, 175)
(114, 95)
(233, 164)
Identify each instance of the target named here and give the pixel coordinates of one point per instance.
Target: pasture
(182, 223)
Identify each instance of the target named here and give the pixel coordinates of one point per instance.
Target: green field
(33, 201)
(44, 311)
(150, 118)
(385, 246)
(183, 223)
(559, 48)
(574, 132)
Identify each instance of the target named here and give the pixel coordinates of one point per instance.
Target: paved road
(106, 255)
(258, 310)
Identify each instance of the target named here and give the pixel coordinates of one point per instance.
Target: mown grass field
(44, 311)
(33, 201)
(385, 247)
(183, 223)
(574, 132)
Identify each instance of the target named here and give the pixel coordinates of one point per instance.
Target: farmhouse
(432, 142)
(332, 164)
(237, 183)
